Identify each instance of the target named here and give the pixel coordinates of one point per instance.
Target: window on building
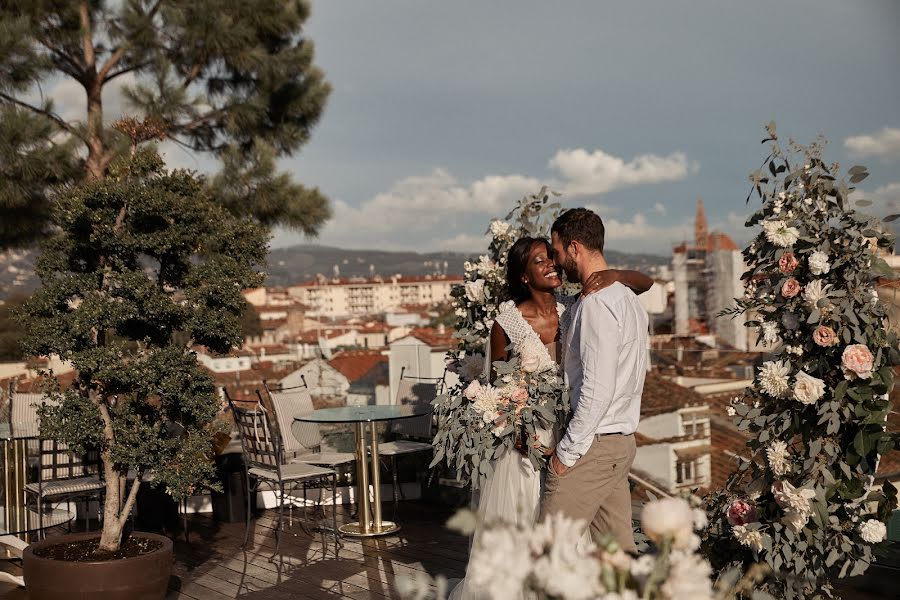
(685, 471)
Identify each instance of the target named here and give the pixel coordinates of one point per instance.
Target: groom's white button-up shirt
(605, 364)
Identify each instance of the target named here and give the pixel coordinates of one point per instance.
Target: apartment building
(343, 297)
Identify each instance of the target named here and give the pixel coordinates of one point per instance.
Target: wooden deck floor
(212, 566)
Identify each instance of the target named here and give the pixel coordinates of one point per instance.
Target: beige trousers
(596, 489)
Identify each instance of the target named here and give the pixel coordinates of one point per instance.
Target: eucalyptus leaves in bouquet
(805, 503)
(477, 422)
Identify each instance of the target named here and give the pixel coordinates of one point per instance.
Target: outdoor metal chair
(302, 441)
(264, 456)
(413, 435)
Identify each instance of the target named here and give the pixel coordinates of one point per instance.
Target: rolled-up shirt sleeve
(597, 338)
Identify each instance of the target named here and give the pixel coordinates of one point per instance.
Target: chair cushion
(62, 487)
(331, 459)
(402, 447)
(292, 472)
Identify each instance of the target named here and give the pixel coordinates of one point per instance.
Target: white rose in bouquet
(808, 389)
(530, 358)
(475, 291)
(818, 263)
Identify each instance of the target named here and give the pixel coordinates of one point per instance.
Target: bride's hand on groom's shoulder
(599, 280)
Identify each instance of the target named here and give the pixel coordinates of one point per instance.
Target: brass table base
(357, 530)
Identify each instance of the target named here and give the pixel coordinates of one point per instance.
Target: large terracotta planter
(144, 577)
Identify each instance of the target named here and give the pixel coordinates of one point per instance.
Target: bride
(513, 491)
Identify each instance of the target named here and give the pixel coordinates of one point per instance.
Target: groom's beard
(571, 270)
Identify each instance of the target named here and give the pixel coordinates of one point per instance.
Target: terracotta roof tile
(662, 395)
(356, 364)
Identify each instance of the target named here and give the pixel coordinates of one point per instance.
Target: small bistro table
(370, 523)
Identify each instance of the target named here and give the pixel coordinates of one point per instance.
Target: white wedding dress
(513, 492)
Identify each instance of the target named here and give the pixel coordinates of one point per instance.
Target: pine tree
(234, 79)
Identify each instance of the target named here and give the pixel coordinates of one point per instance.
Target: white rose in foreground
(873, 531)
(475, 291)
(808, 389)
(501, 562)
(690, 576)
(818, 263)
(668, 518)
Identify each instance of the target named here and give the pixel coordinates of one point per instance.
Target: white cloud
(597, 172)
(660, 208)
(640, 228)
(437, 210)
(884, 144)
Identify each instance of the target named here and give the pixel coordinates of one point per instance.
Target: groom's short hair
(581, 225)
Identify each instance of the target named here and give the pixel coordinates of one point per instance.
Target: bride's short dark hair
(516, 261)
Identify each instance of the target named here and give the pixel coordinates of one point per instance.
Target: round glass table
(370, 523)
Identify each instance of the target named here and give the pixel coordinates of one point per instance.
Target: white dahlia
(773, 378)
(780, 233)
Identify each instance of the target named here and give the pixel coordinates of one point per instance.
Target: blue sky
(444, 113)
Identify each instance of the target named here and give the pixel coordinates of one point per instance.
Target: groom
(605, 361)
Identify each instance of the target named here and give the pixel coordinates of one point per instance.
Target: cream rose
(475, 290)
(808, 389)
(818, 263)
(857, 361)
(873, 531)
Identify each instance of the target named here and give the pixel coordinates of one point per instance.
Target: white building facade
(366, 296)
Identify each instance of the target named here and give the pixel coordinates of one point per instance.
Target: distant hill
(303, 262)
(300, 263)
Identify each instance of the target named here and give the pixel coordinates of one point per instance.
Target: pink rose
(790, 288)
(857, 361)
(520, 396)
(824, 336)
(741, 512)
(787, 263)
(473, 390)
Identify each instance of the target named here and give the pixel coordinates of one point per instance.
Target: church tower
(701, 229)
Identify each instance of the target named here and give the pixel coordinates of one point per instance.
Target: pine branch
(125, 70)
(119, 52)
(46, 113)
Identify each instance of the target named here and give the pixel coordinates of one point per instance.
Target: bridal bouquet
(478, 421)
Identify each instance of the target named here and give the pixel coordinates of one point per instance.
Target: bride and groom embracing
(600, 340)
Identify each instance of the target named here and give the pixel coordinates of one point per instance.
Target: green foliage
(144, 259)
(32, 162)
(12, 331)
(236, 79)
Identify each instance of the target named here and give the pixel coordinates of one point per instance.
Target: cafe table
(370, 523)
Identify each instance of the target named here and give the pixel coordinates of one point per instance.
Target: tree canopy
(234, 79)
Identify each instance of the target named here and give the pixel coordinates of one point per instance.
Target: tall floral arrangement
(804, 501)
(478, 421)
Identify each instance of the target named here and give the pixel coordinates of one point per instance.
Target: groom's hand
(557, 466)
(598, 280)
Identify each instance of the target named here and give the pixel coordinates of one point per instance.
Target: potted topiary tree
(142, 266)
